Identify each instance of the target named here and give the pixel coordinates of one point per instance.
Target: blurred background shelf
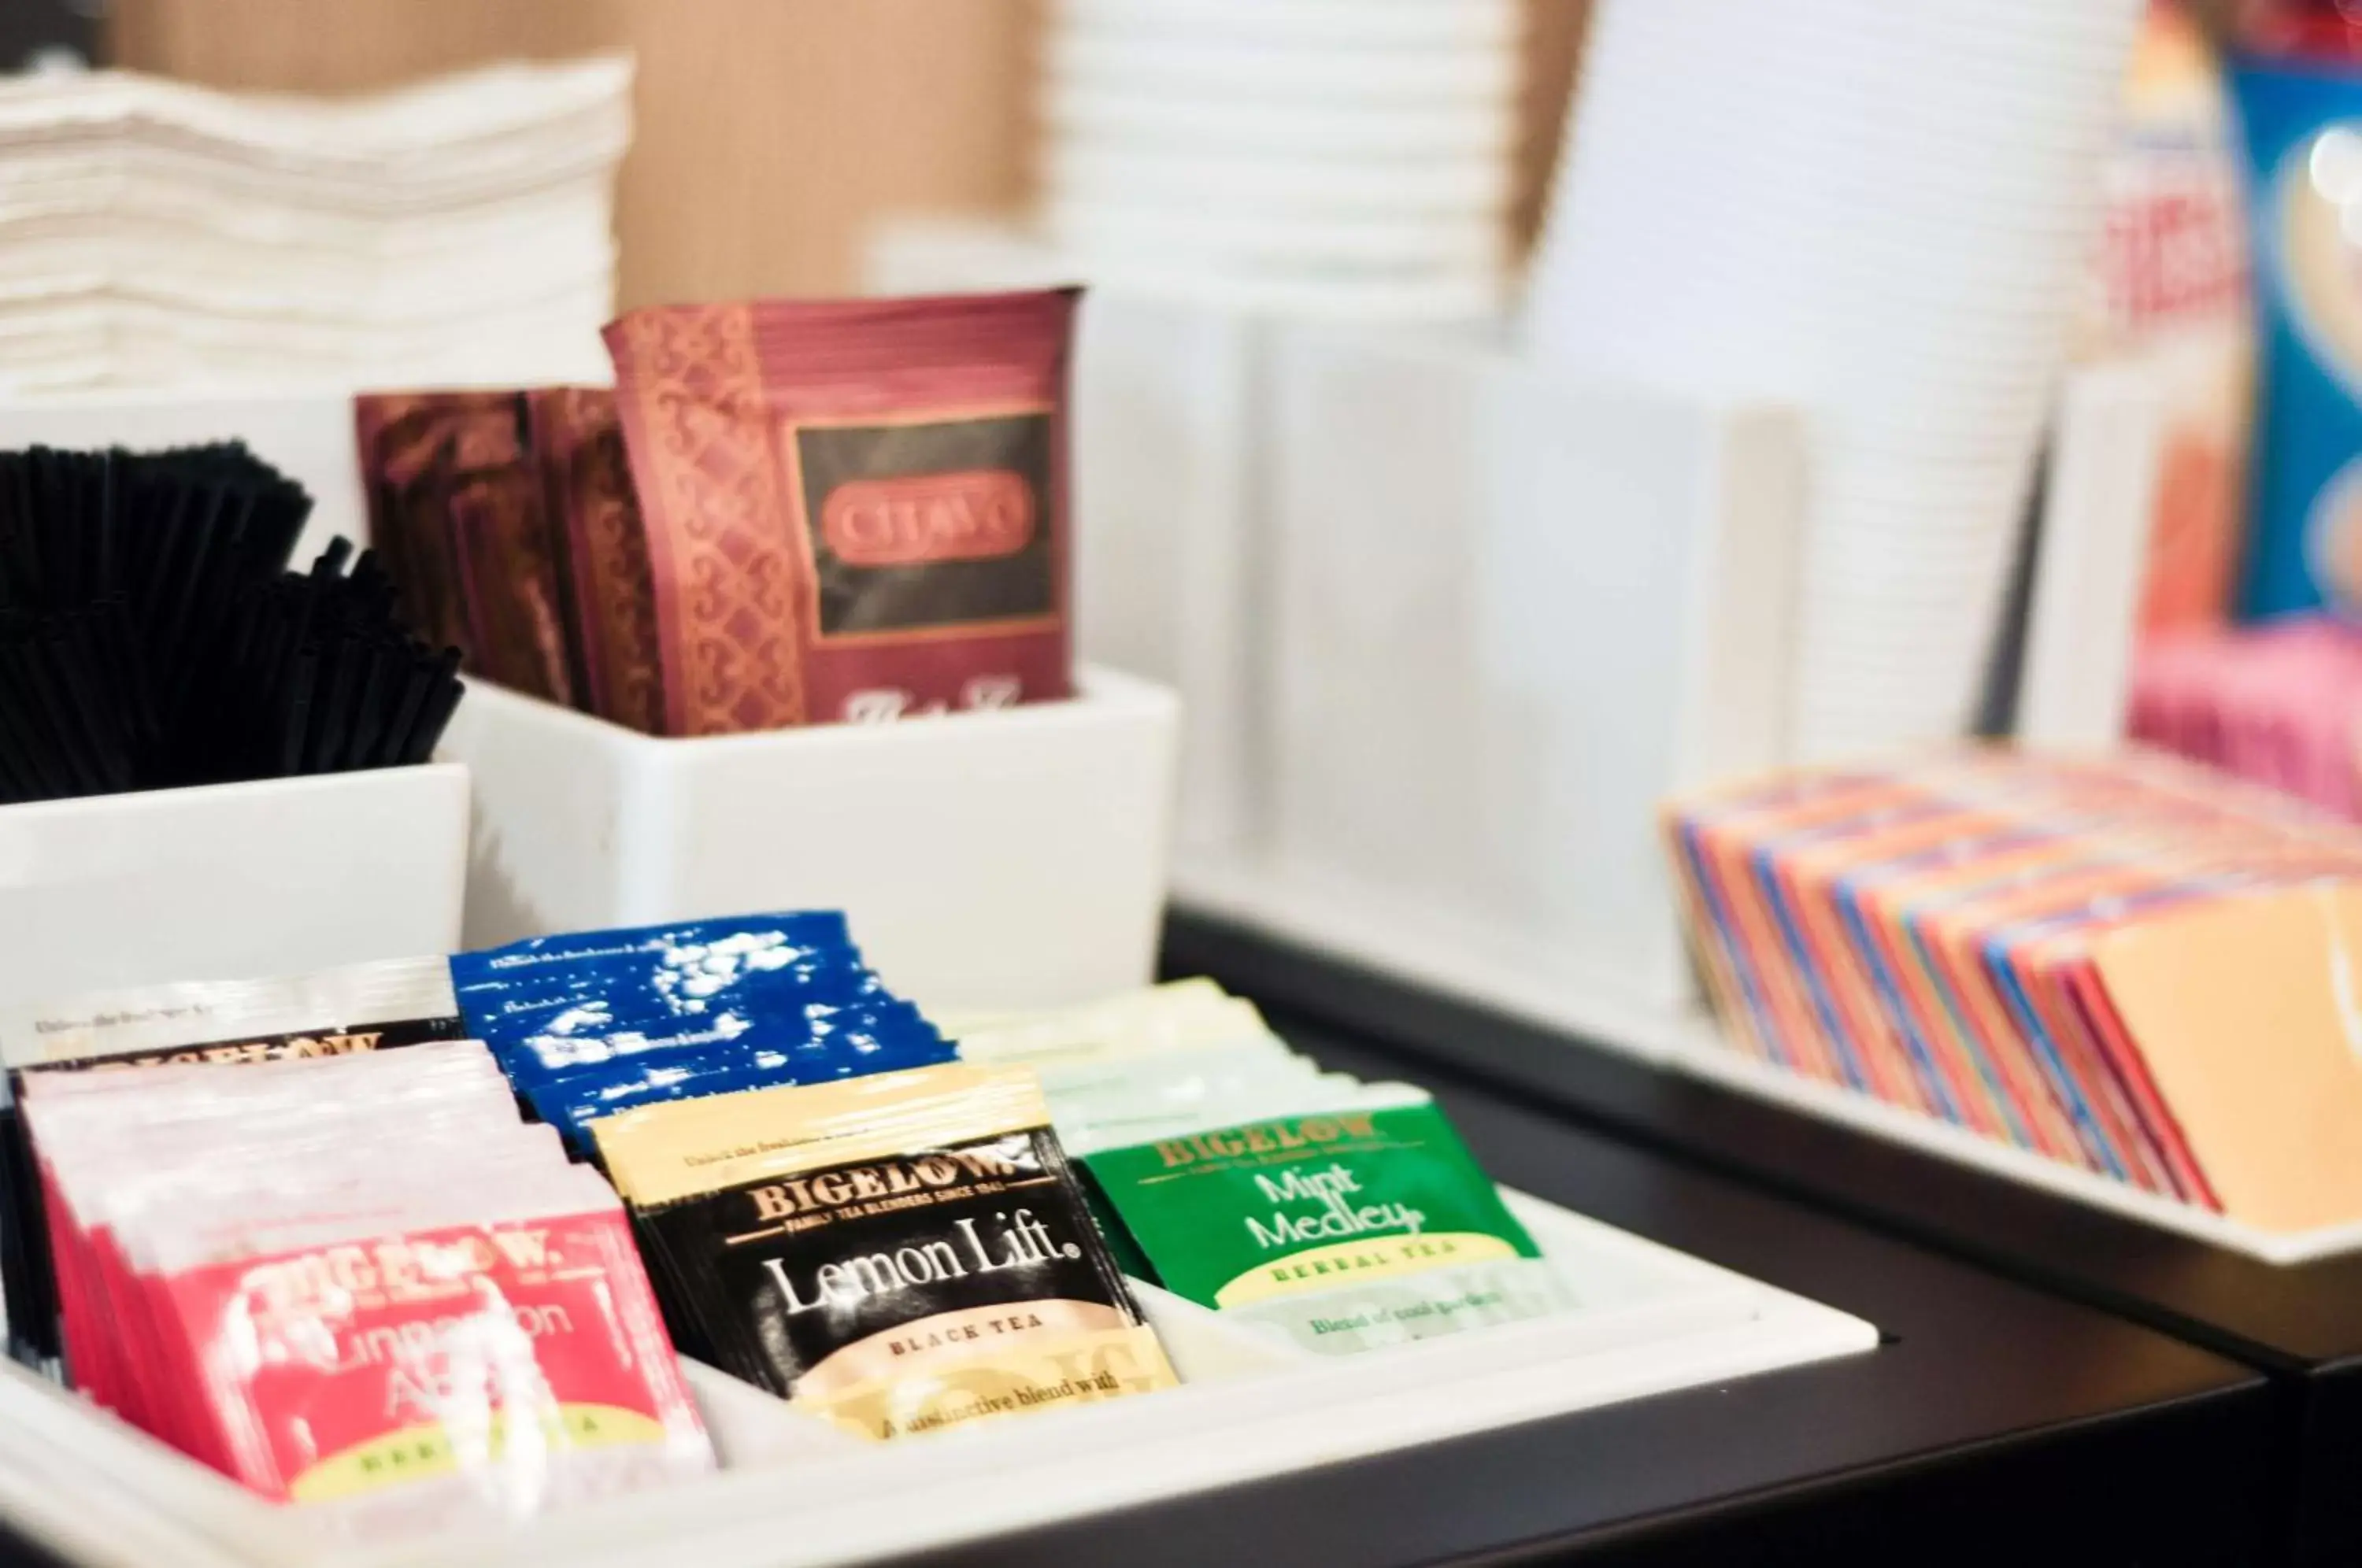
(772, 131)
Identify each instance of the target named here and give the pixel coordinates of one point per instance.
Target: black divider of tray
(2302, 1324)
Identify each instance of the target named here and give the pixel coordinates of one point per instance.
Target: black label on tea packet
(336, 1041)
(832, 1283)
(943, 523)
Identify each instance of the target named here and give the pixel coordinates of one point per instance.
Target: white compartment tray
(1651, 1320)
(1009, 858)
(279, 876)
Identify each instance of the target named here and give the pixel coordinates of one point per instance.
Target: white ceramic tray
(1507, 970)
(228, 880)
(1009, 858)
(101, 1494)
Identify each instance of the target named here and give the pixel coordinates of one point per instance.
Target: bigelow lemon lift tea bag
(898, 1253)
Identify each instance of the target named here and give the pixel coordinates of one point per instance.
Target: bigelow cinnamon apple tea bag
(853, 509)
(360, 1284)
(898, 1253)
(353, 1009)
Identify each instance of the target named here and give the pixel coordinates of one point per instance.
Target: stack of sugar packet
(154, 234)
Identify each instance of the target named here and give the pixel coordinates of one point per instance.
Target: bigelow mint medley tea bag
(1344, 1229)
(898, 1253)
(1233, 1172)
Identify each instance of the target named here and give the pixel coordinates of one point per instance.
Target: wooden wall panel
(770, 131)
(1554, 30)
(334, 45)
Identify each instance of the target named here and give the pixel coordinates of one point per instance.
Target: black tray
(2300, 1324)
(1995, 1423)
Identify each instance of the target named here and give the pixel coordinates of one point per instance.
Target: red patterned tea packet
(856, 510)
(458, 511)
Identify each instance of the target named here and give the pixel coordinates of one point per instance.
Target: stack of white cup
(1879, 211)
(1343, 157)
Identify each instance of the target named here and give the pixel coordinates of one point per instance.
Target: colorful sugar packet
(2124, 964)
(358, 1284)
(898, 1255)
(150, 634)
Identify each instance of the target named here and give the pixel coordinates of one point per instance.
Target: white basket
(100, 1494)
(1009, 858)
(1511, 610)
(230, 881)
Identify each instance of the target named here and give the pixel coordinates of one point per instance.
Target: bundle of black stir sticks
(152, 634)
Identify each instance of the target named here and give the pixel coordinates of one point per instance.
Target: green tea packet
(1360, 1223)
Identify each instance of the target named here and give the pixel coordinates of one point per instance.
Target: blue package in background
(2301, 125)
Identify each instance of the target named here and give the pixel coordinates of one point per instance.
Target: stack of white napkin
(156, 235)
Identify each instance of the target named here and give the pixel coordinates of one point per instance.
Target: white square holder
(1007, 858)
(1511, 609)
(225, 881)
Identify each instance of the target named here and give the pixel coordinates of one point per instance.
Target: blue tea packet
(588, 1031)
(590, 1023)
(657, 979)
(817, 1038)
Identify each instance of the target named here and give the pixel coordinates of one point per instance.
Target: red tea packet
(855, 509)
(458, 511)
(360, 1283)
(505, 1366)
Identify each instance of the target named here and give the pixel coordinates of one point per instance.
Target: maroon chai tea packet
(610, 592)
(459, 512)
(855, 509)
